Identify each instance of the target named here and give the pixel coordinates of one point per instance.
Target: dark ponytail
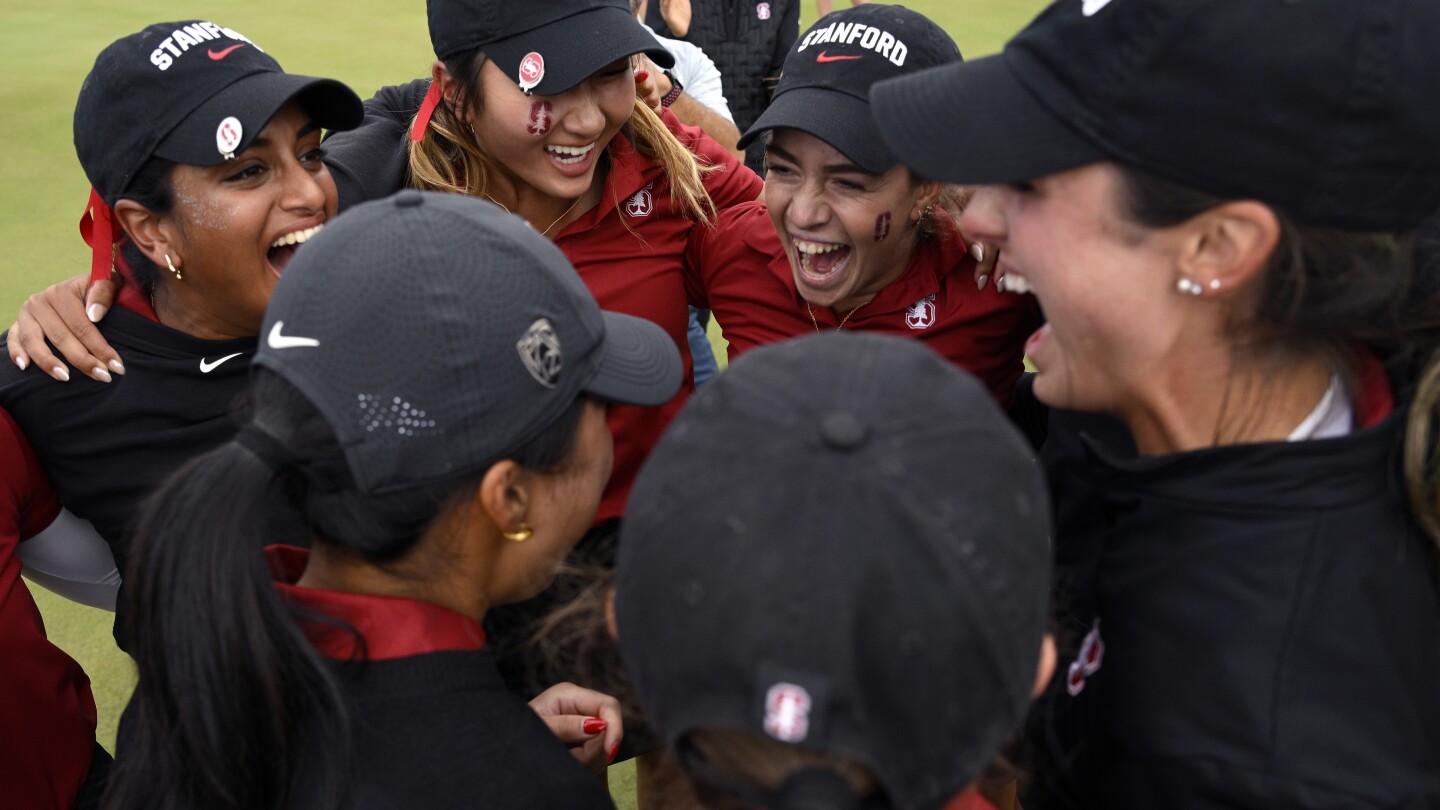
(230, 690)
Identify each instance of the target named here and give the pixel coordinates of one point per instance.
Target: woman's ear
(505, 495)
(449, 90)
(1229, 245)
(1045, 669)
(928, 195)
(156, 237)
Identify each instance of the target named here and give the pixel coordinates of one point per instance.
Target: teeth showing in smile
(812, 248)
(297, 237)
(569, 154)
(1013, 283)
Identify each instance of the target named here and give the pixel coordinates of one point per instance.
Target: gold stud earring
(172, 267)
(519, 535)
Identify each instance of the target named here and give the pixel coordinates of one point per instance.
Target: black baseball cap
(1324, 108)
(824, 87)
(191, 92)
(840, 543)
(437, 333)
(544, 47)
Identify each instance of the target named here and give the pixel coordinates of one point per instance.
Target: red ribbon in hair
(427, 109)
(100, 231)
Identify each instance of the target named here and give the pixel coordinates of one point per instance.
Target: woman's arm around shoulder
(371, 161)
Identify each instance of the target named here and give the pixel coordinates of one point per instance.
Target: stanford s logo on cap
(540, 352)
(762, 10)
(787, 712)
(1092, 6)
(228, 136)
(532, 71)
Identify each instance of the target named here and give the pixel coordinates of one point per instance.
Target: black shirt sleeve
(370, 161)
(785, 39)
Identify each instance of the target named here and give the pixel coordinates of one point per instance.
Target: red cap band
(98, 229)
(427, 109)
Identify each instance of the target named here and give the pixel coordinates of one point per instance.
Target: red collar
(970, 799)
(391, 627)
(131, 297)
(1373, 398)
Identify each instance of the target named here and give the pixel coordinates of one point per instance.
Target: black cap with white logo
(840, 543)
(545, 47)
(824, 88)
(191, 92)
(437, 333)
(1324, 108)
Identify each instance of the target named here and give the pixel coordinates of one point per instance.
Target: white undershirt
(1332, 417)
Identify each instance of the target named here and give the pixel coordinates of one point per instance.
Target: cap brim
(837, 118)
(975, 123)
(577, 47)
(253, 101)
(639, 365)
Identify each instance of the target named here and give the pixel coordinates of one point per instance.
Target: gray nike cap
(437, 334)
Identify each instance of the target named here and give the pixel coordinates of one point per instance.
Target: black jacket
(1270, 620)
(440, 730)
(748, 41)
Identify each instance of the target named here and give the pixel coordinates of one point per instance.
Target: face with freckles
(847, 232)
(551, 145)
(233, 227)
(1105, 282)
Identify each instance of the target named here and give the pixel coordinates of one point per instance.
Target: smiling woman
(206, 166)
(844, 237)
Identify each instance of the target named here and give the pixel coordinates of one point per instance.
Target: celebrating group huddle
(378, 438)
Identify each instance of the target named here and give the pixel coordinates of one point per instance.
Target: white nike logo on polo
(279, 341)
(206, 368)
(1092, 6)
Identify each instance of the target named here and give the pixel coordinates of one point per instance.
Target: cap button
(409, 198)
(843, 431)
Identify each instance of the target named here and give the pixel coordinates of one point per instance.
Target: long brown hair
(447, 158)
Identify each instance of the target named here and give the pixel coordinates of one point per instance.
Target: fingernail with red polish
(614, 749)
(642, 75)
(593, 725)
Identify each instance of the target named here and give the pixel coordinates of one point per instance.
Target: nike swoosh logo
(206, 368)
(1091, 6)
(222, 54)
(279, 341)
(824, 58)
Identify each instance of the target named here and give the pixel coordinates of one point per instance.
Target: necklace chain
(816, 323)
(545, 232)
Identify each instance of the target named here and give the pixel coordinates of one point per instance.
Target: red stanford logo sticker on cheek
(542, 114)
(1087, 663)
(882, 227)
(532, 71)
(787, 712)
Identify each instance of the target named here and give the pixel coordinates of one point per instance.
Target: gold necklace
(842, 320)
(545, 232)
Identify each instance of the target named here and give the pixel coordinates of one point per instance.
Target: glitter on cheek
(882, 227)
(542, 115)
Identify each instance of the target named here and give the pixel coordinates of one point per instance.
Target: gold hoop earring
(519, 535)
(172, 267)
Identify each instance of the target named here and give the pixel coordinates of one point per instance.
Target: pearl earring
(1188, 286)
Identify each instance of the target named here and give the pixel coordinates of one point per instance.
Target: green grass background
(46, 48)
